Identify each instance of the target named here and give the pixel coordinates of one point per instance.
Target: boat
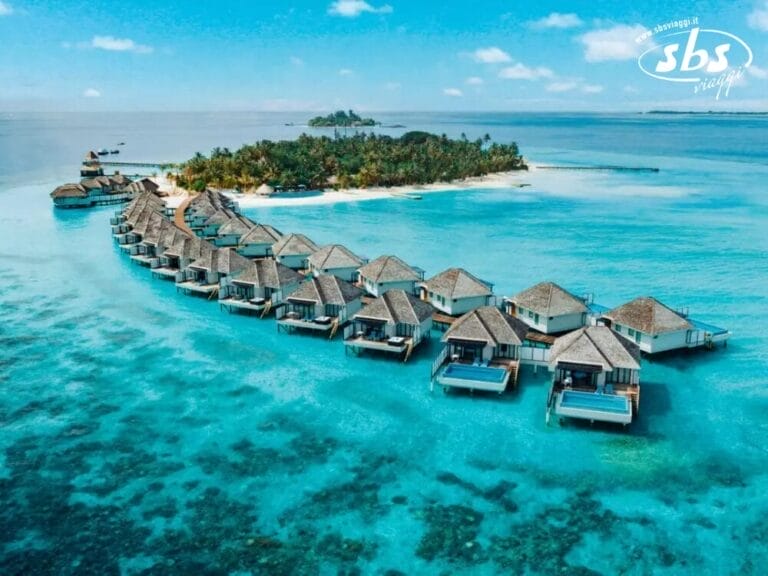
(121, 143)
(114, 151)
(103, 152)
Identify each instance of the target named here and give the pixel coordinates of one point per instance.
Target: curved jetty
(386, 307)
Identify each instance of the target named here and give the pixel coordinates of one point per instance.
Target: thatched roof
(457, 283)
(326, 290)
(91, 156)
(397, 307)
(222, 260)
(238, 225)
(119, 180)
(97, 182)
(334, 256)
(187, 248)
(596, 345)
(220, 217)
(649, 316)
(265, 189)
(388, 269)
(490, 325)
(268, 274)
(70, 191)
(549, 299)
(260, 234)
(294, 245)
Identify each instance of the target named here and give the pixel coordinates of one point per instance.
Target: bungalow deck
(618, 403)
(192, 288)
(142, 259)
(255, 305)
(325, 324)
(494, 376)
(391, 345)
(165, 273)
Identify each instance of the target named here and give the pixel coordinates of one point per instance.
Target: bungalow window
(536, 318)
(631, 332)
(618, 327)
(530, 313)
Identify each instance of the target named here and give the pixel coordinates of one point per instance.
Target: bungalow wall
(72, 202)
(551, 324)
(457, 306)
(652, 344)
(277, 296)
(255, 250)
(293, 261)
(348, 274)
(378, 289)
(227, 240)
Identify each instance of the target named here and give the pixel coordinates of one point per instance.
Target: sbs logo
(691, 55)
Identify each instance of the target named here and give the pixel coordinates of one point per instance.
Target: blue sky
(368, 55)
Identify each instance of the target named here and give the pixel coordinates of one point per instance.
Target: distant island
(341, 119)
(359, 161)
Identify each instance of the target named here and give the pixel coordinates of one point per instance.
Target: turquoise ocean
(145, 432)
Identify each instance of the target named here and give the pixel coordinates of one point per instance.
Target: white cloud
(392, 86)
(455, 92)
(591, 89)
(91, 93)
(565, 86)
(113, 44)
(474, 81)
(758, 18)
(558, 20)
(296, 61)
(491, 55)
(757, 72)
(288, 105)
(617, 43)
(631, 89)
(353, 8)
(522, 72)
(346, 72)
(5, 9)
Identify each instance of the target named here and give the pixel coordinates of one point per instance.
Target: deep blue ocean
(145, 432)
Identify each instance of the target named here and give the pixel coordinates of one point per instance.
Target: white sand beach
(563, 183)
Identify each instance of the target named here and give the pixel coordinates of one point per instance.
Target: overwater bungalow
(389, 273)
(548, 308)
(455, 292)
(147, 220)
(655, 327)
(294, 250)
(211, 226)
(482, 351)
(395, 322)
(71, 196)
(155, 240)
(98, 190)
(203, 275)
(230, 233)
(321, 304)
(91, 166)
(205, 205)
(177, 256)
(123, 220)
(261, 287)
(258, 241)
(336, 260)
(596, 376)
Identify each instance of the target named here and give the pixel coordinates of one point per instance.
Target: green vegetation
(361, 160)
(341, 119)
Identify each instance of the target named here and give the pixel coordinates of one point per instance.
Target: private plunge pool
(594, 406)
(474, 377)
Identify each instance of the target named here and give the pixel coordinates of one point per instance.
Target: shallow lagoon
(148, 432)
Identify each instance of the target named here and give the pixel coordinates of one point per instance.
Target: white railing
(439, 361)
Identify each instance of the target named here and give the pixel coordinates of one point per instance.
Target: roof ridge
(485, 326)
(597, 347)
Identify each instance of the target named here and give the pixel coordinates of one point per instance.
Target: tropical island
(341, 119)
(358, 161)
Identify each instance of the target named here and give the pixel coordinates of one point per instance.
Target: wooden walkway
(178, 217)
